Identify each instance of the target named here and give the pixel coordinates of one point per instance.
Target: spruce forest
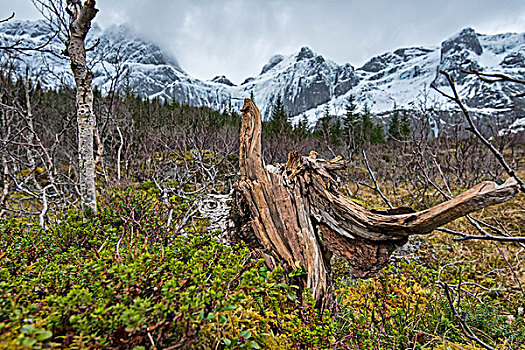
(129, 222)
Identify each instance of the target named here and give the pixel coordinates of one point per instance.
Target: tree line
(39, 136)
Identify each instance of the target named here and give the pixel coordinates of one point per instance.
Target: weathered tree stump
(294, 213)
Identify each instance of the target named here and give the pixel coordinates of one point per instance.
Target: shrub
(124, 280)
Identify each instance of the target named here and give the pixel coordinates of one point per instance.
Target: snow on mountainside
(142, 66)
(402, 79)
(50, 69)
(468, 50)
(307, 82)
(304, 81)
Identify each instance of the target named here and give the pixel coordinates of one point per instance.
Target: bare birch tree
(81, 15)
(74, 33)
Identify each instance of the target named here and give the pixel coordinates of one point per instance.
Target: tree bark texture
(295, 213)
(81, 16)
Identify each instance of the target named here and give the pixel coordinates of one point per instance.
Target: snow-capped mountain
(119, 56)
(304, 81)
(307, 82)
(402, 79)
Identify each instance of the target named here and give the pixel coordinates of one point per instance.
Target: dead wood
(295, 213)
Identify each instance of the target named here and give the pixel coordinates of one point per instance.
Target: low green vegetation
(131, 278)
(124, 280)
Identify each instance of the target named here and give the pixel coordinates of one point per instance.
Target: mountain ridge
(307, 82)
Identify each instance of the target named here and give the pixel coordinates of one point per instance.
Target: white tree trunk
(81, 17)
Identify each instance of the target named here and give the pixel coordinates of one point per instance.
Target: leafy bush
(124, 280)
(403, 308)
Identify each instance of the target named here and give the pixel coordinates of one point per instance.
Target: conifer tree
(279, 122)
(301, 131)
(351, 115)
(366, 125)
(336, 131)
(323, 129)
(404, 126)
(399, 127)
(350, 123)
(393, 126)
(278, 112)
(378, 134)
(326, 111)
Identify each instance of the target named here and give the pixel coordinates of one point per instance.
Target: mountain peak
(465, 39)
(465, 32)
(221, 79)
(305, 53)
(274, 60)
(135, 48)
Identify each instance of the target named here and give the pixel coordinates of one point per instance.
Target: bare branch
(486, 237)
(461, 319)
(92, 47)
(476, 132)
(18, 47)
(8, 18)
(376, 186)
(493, 77)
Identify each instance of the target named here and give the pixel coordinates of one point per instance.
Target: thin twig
(487, 237)
(8, 18)
(494, 77)
(371, 173)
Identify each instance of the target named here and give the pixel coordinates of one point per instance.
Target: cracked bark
(296, 214)
(81, 16)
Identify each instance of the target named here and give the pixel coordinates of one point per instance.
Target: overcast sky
(237, 37)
